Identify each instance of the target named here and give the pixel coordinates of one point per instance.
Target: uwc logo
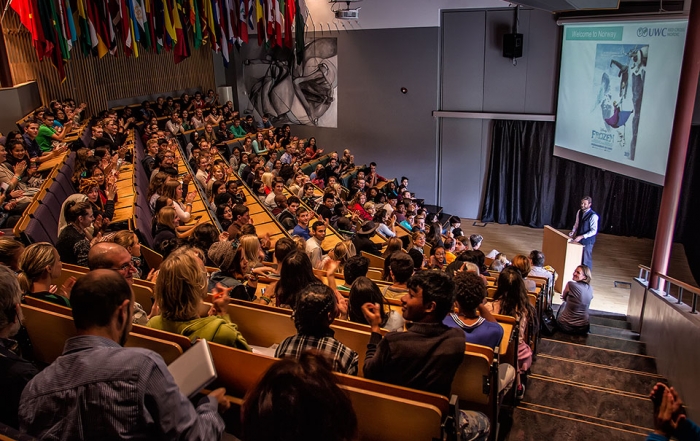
(644, 31)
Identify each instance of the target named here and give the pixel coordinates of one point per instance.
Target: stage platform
(615, 258)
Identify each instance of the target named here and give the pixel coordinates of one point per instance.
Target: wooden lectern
(561, 254)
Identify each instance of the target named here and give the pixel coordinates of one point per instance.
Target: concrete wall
(17, 102)
(671, 334)
(375, 120)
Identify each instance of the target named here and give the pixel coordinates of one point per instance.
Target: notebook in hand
(194, 370)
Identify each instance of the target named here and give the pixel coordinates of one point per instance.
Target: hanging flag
(85, 35)
(159, 24)
(243, 21)
(29, 16)
(290, 11)
(151, 20)
(58, 15)
(271, 22)
(299, 28)
(96, 26)
(197, 25)
(278, 23)
(125, 28)
(113, 19)
(46, 16)
(181, 50)
(260, 7)
(211, 24)
(168, 19)
(252, 18)
(140, 16)
(70, 25)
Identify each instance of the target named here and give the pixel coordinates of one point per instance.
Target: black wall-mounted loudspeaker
(513, 45)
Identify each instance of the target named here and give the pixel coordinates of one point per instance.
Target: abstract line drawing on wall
(292, 92)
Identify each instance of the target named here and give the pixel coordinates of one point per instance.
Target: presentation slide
(617, 95)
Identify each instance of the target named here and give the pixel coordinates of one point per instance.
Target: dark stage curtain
(528, 185)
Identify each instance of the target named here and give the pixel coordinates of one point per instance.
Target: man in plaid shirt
(317, 307)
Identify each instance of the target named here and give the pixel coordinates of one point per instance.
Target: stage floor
(615, 258)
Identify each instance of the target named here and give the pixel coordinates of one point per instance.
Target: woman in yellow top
(180, 290)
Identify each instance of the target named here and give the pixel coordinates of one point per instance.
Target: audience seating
(48, 332)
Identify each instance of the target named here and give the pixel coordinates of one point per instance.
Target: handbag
(548, 323)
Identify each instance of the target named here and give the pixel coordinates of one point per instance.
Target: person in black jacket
(362, 240)
(15, 372)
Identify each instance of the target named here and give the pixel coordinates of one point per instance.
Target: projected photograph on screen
(617, 95)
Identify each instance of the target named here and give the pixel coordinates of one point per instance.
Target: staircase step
(606, 408)
(602, 342)
(598, 356)
(609, 331)
(603, 377)
(533, 424)
(613, 323)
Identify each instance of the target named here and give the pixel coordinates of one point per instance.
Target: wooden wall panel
(96, 81)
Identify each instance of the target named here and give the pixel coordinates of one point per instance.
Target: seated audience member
(90, 188)
(670, 419)
(241, 216)
(106, 255)
(472, 316)
(537, 269)
(10, 252)
(363, 239)
(180, 289)
(100, 390)
(341, 252)
(522, 263)
(386, 223)
(316, 309)
(425, 357)
(437, 258)
(393, 245)
(301, 396)
(15, 372)
(433, 236)
(302, 227)
(511, 299)
(401, 269)
(288, 216)
(296, 273)
(357, 205)
(283, 247)
(496, 266)
(462, 243)
(475, 241)
(356, 266)
(203, 237)
(277, 190)
(418, 241)
(572, 316)
(235, 272)
(363, 291)
(325, 210)
(73, 244)
(419, 261)
(313, 244)
(454, 230)
(130, 241)
(39, 266)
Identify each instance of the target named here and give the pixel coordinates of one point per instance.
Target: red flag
(125, 28)
(29, 16)
(290, 11)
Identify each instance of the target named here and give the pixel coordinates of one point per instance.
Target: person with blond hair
(10, 252)
(179, 292)
(39, 266)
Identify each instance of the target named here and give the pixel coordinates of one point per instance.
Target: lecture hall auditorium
(213, 230)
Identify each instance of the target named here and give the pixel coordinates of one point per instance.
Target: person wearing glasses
(108, 255)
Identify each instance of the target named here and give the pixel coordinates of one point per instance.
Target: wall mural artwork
(296, 93)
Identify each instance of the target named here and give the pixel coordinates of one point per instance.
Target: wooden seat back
(476, 380)
(374, 261)
(142, 293)
(374, 403)
(48, 332)
(152, 258)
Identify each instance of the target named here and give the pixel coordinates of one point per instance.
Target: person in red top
(357, 206)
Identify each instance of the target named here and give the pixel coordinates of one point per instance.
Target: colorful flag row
(98, 27)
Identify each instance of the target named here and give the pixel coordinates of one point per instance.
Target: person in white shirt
(313, 244)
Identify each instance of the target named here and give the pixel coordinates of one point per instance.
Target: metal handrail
(666, 285)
